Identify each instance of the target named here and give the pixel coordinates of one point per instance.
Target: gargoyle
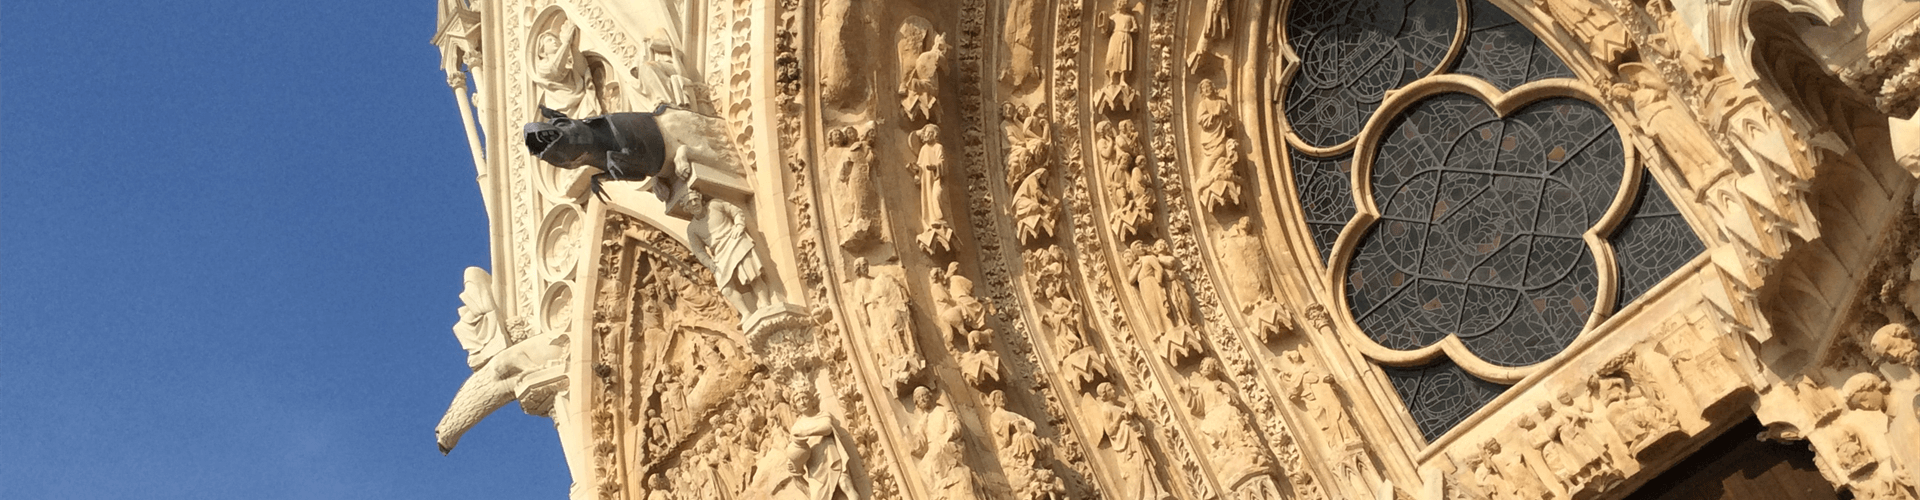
(634, 146)
(624, 146)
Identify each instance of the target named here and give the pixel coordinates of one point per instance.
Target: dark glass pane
(1325, 197)
(1352, 52)
(1440, 395)
(1652, 243)
(1481, 227)
(1503, 52)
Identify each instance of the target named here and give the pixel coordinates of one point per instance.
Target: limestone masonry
(1197, 249)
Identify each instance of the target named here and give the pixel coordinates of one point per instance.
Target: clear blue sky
(231, 239)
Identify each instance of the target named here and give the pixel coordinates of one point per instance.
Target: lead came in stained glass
(1326, 200)
(1440, 395)
(1503, 52)
(1480, 227)
(1352, 52)
(1652, 243)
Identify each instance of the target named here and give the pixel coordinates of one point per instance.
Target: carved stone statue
(920, 80)
(859, 207)
(884, 305)
(1029, 136)
(1219, 182)
(1131, 192)
(1121, 431)
(1020, 42)
(980, 365)
(1165, 303)
(528, 369)
(1592, 23)
(718, 239)
(479, 329)
(1012, 432)
(842, 31)
(1236, 454)
(1513, 467)
(960, 313)
(1033, 208)
(1317, 397)
(1668, 123)
(940, 444)
(1576, 460)
(1020, 452)
(1894, 344)
(814, 465)
(930, 167)
(1120, 27)
(1866, 391)
(560, 72)
(1641, 421)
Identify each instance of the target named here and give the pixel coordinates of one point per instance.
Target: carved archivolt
(1194, 249)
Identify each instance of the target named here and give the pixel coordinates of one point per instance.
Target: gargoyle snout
(540, 136)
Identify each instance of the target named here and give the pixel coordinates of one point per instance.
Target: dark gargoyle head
(561, 141)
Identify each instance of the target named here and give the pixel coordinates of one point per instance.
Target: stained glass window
(1652, 243)
(1352, 52)
(1440, 395)
(1480, 228)
(1482, 217)
(1324, 198)
(1503, 52)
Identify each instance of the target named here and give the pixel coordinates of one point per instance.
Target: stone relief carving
(1131, 196)
(814, 464)
(1646, 424)
(480, 331)
(1021, 38)
(1121, 28)
(1640, 411)
(1033, 208)
(1021, 452)
(561, 73)
(1167, 302)
(529, 368)
(1122, 432)
(858, 200)
(929, 167)
(1238, 459)
(1314, 392)
(920, 61)
(941, 448)
(889, 323)
(1575, 458)
(1219, 181)
(718, 238)
(843, 25)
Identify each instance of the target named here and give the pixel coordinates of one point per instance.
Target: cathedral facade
(1198, 249)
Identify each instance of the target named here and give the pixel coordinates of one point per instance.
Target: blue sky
(231, 239)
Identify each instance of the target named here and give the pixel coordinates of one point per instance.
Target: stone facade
(1195, 249)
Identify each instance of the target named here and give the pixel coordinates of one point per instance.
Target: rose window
(1468, 231)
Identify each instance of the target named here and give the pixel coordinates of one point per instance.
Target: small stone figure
(960, 313)
(718, 239)
(920, 81)
(940, 444)
(1120, 27)
(1020, 40)
(884, 304)
(1033, 208)
(1219, 182)
(1236, 452)
(560, 72)
(1120, 431)
(859, 205)
(930, 168)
